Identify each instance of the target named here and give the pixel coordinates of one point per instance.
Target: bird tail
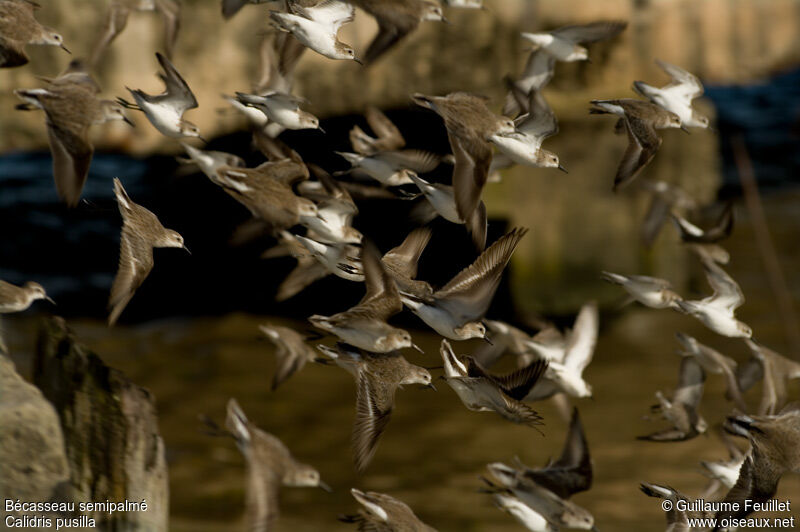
(641, 88)
(31, 98)
(612, 277)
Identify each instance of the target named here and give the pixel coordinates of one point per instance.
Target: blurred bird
(483, 392)
(723, 473)
(681, 409)
(714, 362)
(317, 27)
(641, 120)
(396, 19)
(270, 465)
(774, 370)
(15, 298)
(377, 376)
(401, 262)
(291, 351)
(141, 232)
(117, 19)
(721, 229)
(455, 310)
(556, 510)
(717, 311)
(677, 96)
(774, 442)
(383, 513)
(335, 208)
(649, 291)
(165, 111)
(364, 325)
(19, 28)
(524, 145)
(665, 199)
(677, 520)
(72, 107)
(281, 108)
(470, 125)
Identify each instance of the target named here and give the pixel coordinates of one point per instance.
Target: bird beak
(319, 216)
(65, 49)
(50, 299)
(128, 121)
(447, 21)
(486, 339)
(589, 60)
(324, 487)
(562, 169)
(431, 387)
(323, 131)
(359, 61)
(187, 250)
(418, 348)
(202, 138)
(686, 129)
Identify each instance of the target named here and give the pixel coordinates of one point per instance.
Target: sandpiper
(455, 310)
(72, 107)
(396, 19)
(165, 111)
(714, 362)
(572, 472)
(282, 108)
(775, 370)
(677, 96)
(210, 161)
(524, 145)
(18, 28)
(270, 465)
(641, 120)
(470, 124)
(539, 70)
(649, 291)
(565, 373)
(717, 311)
(307, 271)
(141, 232)
(266, 191)
(117, 19)
(336, 209)
(557, 511)
(481, 391)
(393, 168)
(681, 409)
(342, 260)
(364, 325)
(774, 442)
(317, 27)
(441, 201)
(291, 352)
(15, 298)
(384, 513)
(565, 43)
(506, 501)
(388, 137)
(721, 229)
(666, 198)
(378, 376)
(401, 262)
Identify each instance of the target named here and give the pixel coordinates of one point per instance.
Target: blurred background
(190, 335)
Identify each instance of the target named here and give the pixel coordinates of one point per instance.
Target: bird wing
(373, 413)
(583, 338)
(471, 169)
(690, 383)
(576, 449)
(593, 32)
(389, 136)
(177, 90)
(540, 122)
(472, 289)
(72, 156)
(135, 263)
(643, 142)
(404, 258)
(307, 271)
(516, 384)
(683, 82)
(420, 161)
(332, 13)
(654, 220)
(727, 294)
(382, 292)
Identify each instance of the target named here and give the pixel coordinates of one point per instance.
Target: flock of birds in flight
(281, 195)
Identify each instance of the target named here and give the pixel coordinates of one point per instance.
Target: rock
(33, 462)
(110, 429)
